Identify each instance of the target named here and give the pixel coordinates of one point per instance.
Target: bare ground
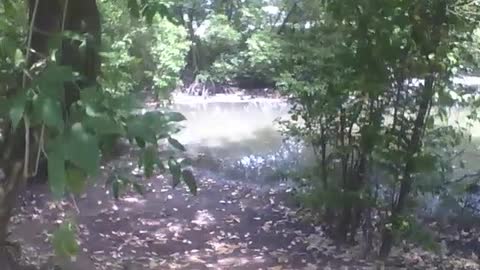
(228, 225)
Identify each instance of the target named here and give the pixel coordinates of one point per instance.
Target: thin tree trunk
(8, 194)
(413, 149)
(193, 54)
(81, 17)
(13, 182)
(345, 219)
(287, 18)
(48, 21)
(439, 24)
(323, 150)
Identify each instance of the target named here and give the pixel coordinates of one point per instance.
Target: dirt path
(228, 225)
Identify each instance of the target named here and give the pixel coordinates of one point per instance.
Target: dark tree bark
(413, 148)
(282, 27)
(437, 20)
(81, 17)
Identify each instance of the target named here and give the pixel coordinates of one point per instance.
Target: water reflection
(239, 138)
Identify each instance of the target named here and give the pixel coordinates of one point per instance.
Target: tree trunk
(194, 62)
(83, 17)
(282, 27)
(413, 149)
(438, 21)
(9, 190)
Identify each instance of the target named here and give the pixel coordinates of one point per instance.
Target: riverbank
(238, 220)
(228, 225)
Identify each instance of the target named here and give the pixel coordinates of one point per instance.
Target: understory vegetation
(370, 84)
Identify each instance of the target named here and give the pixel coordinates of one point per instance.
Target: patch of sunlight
(272, 10)
(203, 218)
(239, 261)
(229, 120)
(150, 222)
(459, 118)
(195, 259)
(127, 209)
(134, 200)
(186, 99)
(160, 237)
(175, 228)
(222, 248)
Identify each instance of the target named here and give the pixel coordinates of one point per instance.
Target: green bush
(219, 35)
(264, 53)
(169, 46)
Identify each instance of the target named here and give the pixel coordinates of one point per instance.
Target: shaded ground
(229, 225)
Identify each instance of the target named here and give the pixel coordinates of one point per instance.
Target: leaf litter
(227, 225)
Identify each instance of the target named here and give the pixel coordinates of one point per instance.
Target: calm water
(239, 138)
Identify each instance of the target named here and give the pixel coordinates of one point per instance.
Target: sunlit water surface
(238, 138)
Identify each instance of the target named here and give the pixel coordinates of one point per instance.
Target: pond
(239, 137)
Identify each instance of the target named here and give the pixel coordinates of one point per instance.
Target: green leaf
(3, 107)
(82, 149)
(149, 157)
(155, 121)
(152, 125)
(19, 58)
(186, 162)
(134, 8)
(64, 241)
(148, 13)
(51, 80)
(174, 117)
(57, 74)
(90, 95)
(138, 128)
(189, 179)
(175, 170)
(140, 142)
(103, 125)
(49, 111)
(176, 144)
(8, 7)
(56, 170)
(430, 123)
(138, 188)
(90, 110)
(116, 188)
(424, 162)
(55, 42)
(76, 180)
(444, 99)
(17, 109)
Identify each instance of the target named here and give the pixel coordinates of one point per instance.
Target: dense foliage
(371, 87)
(63, 96)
